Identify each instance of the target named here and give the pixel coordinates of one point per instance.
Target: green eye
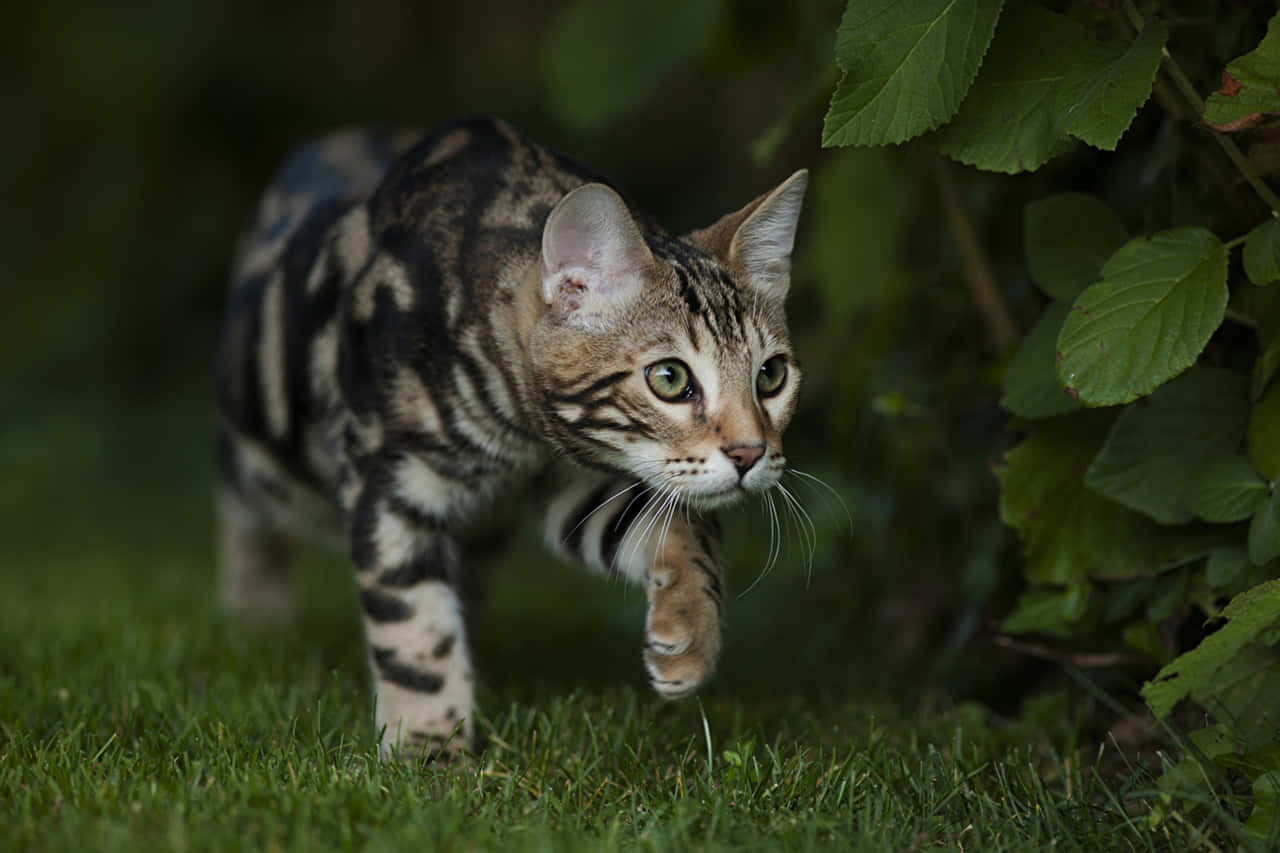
(772, 376)
(670, 380)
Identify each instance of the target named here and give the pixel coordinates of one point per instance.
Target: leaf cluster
(1145, 488)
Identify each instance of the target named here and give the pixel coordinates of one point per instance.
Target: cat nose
(744, 456)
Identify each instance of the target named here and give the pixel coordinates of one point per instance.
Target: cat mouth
(724, 497)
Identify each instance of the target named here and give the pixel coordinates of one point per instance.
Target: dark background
(135, 138)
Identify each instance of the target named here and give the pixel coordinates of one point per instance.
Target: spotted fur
(418, 325)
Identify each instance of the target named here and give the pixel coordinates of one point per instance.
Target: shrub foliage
(1144, 490)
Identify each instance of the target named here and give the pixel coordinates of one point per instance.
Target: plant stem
(1189, 92)
(1231, 244)
(1002, 331)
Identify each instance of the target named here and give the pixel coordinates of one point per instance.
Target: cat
(419, 325)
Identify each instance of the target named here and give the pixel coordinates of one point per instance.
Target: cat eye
(670, 379)
(772, 376)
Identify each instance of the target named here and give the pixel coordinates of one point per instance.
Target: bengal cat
(418, 325)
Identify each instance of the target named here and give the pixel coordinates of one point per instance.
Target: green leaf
(1069, 532)
(1249, 94)
(1224, 565)
(1195, 674)
(1154, 454)
(1264, 434)
(907, 66)
(1069, 236)
(1159, 301)
(601, 61)
(1264, 821)
(1045, 79)
(1104, 104)
(1228, 489)
(1031, 388)
(1262, 252)
(1264, 532)
(1057, 612)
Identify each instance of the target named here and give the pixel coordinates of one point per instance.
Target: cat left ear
(594, 258)
(758, 239)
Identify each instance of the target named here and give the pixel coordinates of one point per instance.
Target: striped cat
(417, 326)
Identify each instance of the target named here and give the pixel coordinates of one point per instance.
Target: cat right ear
(758, 238)
(594, 258)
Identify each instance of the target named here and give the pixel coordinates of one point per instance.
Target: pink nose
(744, 456)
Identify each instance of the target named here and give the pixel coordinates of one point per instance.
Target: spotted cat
(419, 325)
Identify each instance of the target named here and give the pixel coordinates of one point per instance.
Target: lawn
(134, 715)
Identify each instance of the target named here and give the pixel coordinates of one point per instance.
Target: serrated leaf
(1153, 455)
(1196, 673)
(907, 66)
(1049, 611)
(1264, 532)
(1249, 90)
(1264, 434)
(1227, 490)
(1105, 103)
(1262, 252)
(1146, 321)
(1069, 236)
(1031, 388)
(1069, 532)
(1046, 79)
(603, 60)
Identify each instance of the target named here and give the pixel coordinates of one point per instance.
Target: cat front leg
(684, 582)
(406, 567)
(626, 528)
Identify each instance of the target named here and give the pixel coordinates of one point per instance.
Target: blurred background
(135, 138)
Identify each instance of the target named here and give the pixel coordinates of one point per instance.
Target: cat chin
(718, 500)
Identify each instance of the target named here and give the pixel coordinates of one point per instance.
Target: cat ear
(758, 238)
(594, 258)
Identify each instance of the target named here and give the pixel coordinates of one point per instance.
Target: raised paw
(682, 635)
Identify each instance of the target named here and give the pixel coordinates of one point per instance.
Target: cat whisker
(775, 542)
(648, 517)
(807, 531)
(824, 484)
(601, 506)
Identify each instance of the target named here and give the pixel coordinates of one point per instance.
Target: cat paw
(421, 747)
(682, 636)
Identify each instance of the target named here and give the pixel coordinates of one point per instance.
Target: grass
(134, 716)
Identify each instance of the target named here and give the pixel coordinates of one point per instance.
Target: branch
(1002, 331)
(1080, 659)
(1193, 98)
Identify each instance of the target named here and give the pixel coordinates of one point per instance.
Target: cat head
(667, 358)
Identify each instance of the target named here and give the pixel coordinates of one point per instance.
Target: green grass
(134, 716)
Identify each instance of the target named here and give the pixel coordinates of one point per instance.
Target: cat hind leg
(255, 554)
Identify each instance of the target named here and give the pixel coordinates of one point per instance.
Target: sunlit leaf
(907, 66)
(1046, 79)
(1249, 86)
(1196, 673)
(1146, 321)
